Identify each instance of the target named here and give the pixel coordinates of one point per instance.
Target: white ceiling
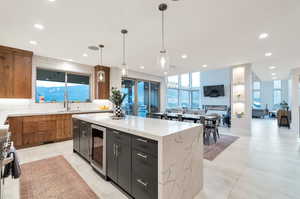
(214, 32)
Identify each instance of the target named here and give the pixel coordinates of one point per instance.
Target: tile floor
(262, 166)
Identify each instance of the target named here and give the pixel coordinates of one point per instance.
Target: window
(256, 94)
(277, 84)
(184, 90)
(172, 98)
(196, 80)
(185, 80)
(276, 92)
(195, 98)
(173, 81)
(184, 98)
(256, 85)
(53, 86)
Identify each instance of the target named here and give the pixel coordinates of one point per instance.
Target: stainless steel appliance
(98, 149)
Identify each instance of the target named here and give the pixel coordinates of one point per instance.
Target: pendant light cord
(163, 31)
(101, 58)
(124, 50)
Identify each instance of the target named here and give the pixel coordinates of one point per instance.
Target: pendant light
(124, 67)
(163, 59)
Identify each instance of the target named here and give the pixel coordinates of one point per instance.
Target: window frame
(66, 84)
(276, 90)
(256, 90)
(190, 89)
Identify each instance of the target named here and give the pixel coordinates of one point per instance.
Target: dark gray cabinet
(119, 158)
(76, 132)
(81, 138)
(144, 168)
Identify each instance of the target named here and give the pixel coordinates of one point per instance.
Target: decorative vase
(118, 111)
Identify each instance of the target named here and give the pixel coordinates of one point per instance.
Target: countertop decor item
(117, 98)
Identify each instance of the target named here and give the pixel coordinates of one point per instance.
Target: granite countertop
(144, 127)
(21, 113)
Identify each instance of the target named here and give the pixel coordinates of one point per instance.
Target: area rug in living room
(53, 178)
(211, 151)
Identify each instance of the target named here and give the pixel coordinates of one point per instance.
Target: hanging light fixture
(163, 59)
(124, 67)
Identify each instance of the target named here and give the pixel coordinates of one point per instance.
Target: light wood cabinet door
(15, 73)
(22, 77)
(6, 62)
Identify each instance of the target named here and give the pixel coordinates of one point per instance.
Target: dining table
(185, 116)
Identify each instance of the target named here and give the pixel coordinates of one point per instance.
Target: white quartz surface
(145, 127)
(20, 113)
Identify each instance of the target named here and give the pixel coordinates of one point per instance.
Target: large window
(277, 92)
(55, 86)
(184, 90)
(256, 94)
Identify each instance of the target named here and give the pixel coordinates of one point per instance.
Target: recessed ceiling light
(85, 55)
(39, 26)
(272, 67)
(263, 36)
(51, 0)
(142, 67)
(204, 66)
(273, 74)
(70, 60)
(269, 54)
(184, 56)
(165, 73)
(33, 42)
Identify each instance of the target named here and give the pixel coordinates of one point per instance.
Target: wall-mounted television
(214, 91)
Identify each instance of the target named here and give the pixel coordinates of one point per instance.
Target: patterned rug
(210, 152)
(53, 178)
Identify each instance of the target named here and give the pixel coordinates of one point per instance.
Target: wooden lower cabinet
(36, 130)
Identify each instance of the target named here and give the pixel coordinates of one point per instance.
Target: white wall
(216, 77)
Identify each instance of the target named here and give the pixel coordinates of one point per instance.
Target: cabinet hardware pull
(143, 156)
(142, 140)
(142, 183)
(116, 132)
(114, 150)
(117, 150)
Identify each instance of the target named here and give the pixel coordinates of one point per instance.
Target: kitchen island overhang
(180, 150)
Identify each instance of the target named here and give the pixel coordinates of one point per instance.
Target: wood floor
(262, 166)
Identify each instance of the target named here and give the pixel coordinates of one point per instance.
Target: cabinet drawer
(143, 187)
(120, 137)
(143, 162)
(144, 145)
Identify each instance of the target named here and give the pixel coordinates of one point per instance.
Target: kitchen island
(169, 152)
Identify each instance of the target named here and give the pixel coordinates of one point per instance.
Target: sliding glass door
(128, 88)
(142, 97)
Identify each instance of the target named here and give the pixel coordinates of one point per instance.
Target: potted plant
(117, 98)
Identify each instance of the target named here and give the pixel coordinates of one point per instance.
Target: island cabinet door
(119, 158)
(124, 166)
(76, 137)
(111, 158)
(84, 143)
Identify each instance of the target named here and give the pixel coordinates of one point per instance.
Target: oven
(98, 149)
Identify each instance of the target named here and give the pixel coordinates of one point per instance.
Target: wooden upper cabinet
(15, 73)
(102, 87)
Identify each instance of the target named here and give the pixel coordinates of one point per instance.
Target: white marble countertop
(145, 127)
(21, 113)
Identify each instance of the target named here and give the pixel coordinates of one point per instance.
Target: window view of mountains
(75, 93)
